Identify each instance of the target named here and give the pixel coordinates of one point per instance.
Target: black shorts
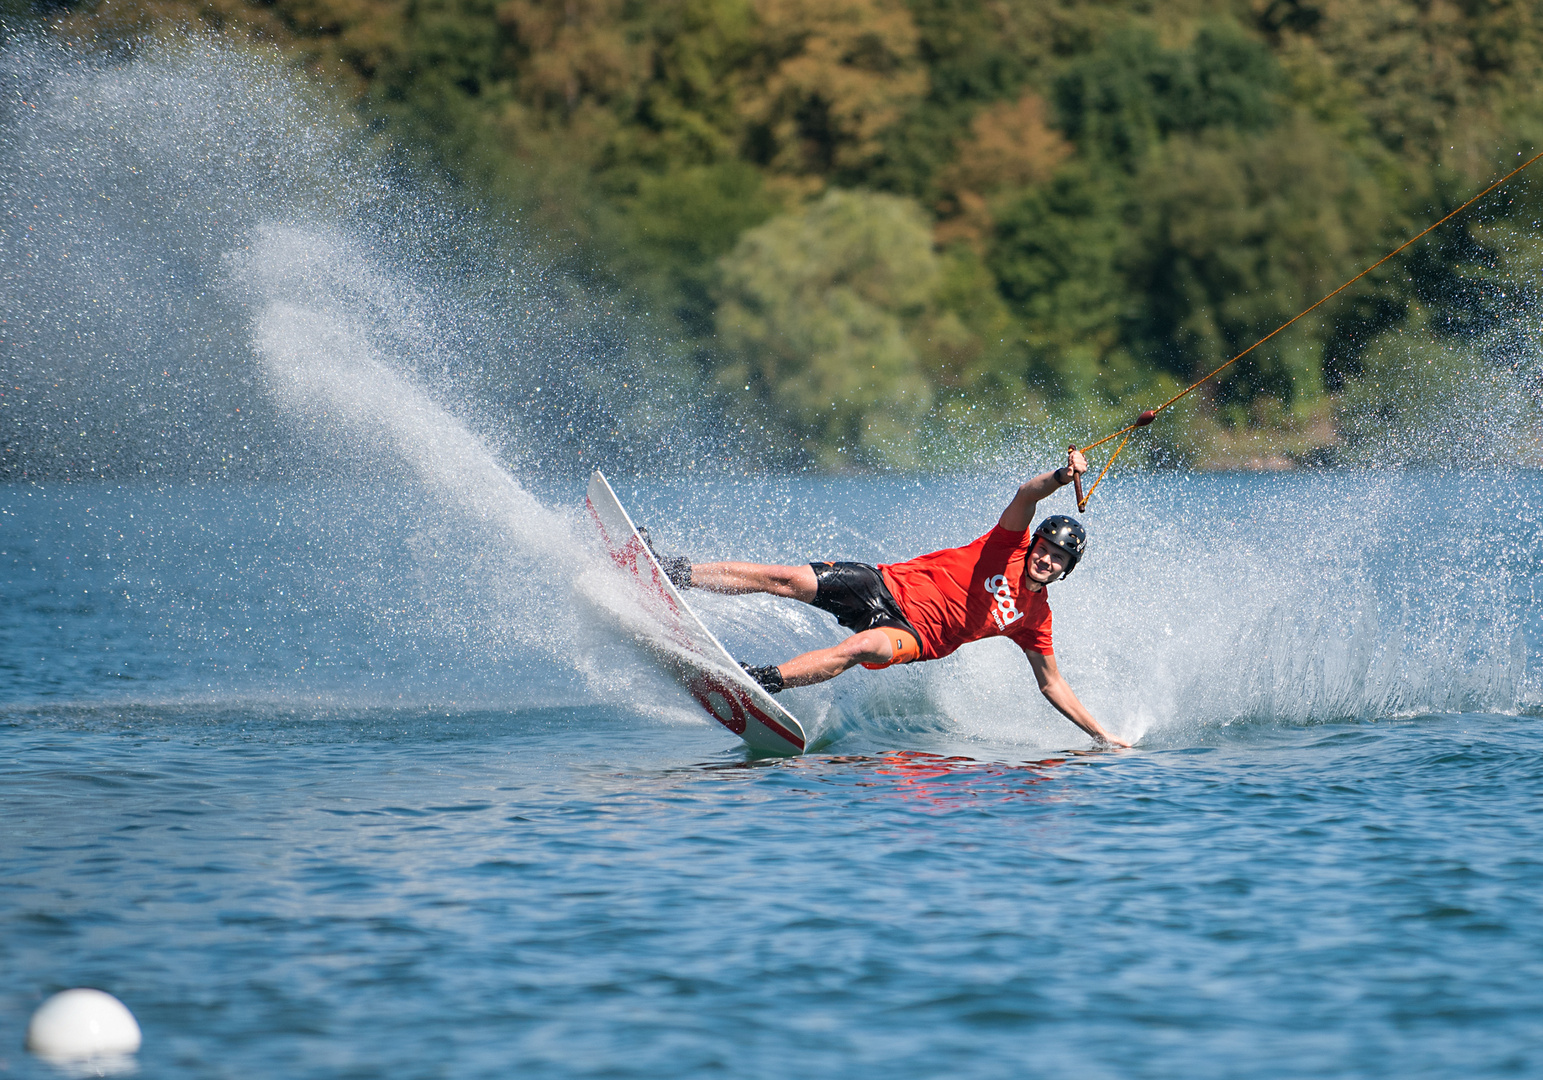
(856, 595)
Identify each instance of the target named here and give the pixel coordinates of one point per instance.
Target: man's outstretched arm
(1019, 514)
(1058, 692)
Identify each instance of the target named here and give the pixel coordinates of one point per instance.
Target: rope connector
(1146, 418)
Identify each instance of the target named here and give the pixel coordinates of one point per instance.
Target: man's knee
(797, 582)
(868, 647)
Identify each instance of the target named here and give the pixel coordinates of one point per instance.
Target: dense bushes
(862, 213)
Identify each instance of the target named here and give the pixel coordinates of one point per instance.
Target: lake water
(350, 783)
(356, 773)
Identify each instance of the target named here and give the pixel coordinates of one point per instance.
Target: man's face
(1046, 562)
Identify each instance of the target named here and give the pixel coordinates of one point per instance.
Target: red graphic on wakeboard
(730, 704)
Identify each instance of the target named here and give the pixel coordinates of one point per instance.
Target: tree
(819, 308)
(831, 76)
(1120, 101)
(1239, 233)
(1010, 146)
(1056, 250)
(1433, 82)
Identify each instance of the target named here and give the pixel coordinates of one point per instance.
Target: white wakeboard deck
(696, 658)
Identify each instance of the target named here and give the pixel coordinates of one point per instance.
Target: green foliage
(672, 227)
(1119, 102)
(687, 112)
(970, 62)
(1239, 233)
(1431, 82)
(819, 307)
(1089, 204)
(1056, 254)
(974, 345)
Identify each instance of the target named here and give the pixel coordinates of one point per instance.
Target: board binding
(697, 659)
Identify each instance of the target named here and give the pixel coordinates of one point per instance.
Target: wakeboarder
(927, 607)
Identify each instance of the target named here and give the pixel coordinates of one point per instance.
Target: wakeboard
(689, 650)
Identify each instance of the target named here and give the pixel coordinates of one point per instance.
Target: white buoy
(77, 1024)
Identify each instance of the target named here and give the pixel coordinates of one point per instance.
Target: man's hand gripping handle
(1072, 456)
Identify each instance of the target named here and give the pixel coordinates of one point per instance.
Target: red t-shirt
(964, 594)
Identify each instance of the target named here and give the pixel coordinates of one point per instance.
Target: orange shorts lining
(906, 647)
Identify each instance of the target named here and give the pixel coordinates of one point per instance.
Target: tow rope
(1151, 414)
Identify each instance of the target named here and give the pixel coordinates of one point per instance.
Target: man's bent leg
(795, 582)
(868, 647)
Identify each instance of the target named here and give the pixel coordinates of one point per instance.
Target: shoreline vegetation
(877, 225)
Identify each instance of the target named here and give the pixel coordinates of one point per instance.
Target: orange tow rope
(1151, 414)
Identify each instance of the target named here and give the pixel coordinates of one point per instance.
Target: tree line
(887, 226)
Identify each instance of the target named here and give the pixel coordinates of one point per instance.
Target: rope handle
(1082, 500)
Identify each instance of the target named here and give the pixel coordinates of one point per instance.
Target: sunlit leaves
(819, 306)
(1010, 145)
(833, 74)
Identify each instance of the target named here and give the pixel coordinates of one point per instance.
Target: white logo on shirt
(1006, 612)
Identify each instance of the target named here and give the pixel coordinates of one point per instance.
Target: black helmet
(1067, 534)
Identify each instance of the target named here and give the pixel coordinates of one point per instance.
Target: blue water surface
(288, 839)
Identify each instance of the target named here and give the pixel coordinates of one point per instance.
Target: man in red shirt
(925, 608)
